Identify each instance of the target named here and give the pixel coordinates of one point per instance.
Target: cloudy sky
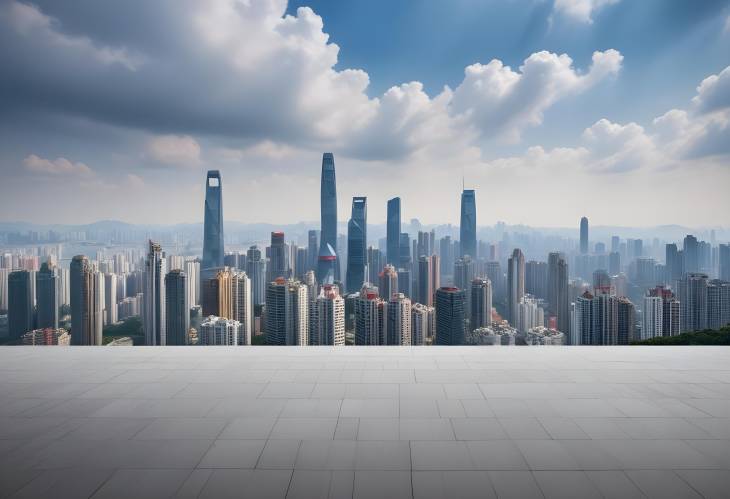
(550, 109)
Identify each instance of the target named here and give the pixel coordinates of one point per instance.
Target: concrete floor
(382, 422)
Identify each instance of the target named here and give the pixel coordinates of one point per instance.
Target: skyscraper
(558, 300)
(468, 224)
(626, 319)
(217, 295)
(357, 245)
(536, 277)
(692, 291)
(219, 331)
(674, 264)
(690, 254)
(242, 305)
(398, 320)
(515, 284)
(369, 320)
(256, 271)
(450, 310)
(154, 323)
(392, 256)
(328, 235)
(278, 262)
(661, 315)
(724, 262)
(110, 299)
(86, 320)
(425, 281)
(330, 317)
(213, 222)
(177, 308)
(375, 264)
(192, 272)
(46, 292)
(312, 250)
(718, 303)
(423, 324)
(388, 282)
(287, 313)
(481, 304)
(584, 236)
(20, 304)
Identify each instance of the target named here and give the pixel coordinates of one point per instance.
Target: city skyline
(541, 124)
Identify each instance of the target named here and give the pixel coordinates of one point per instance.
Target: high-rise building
(46, 292)
(661, 314)
(369, 318)
(110, 299)
(626, 320)
(242, 305)
(47, 337)
(718, 303)
(674, 263)
(357, 245)
(393, 253)
(154, 322)
(327, 260)
(86, 319)
(388, 282)
(398, 320)
(515, 283)
(423, 324)
(278, 262)
(177, 308)
(312, 250)
(558, 298)
(20, 304)
(330, 317)
(219, 331)
(192, 271)
(692, 294)
(446, 253)
(213, 223)
(425, 281)
(450, 316)
(596, 319)
(614, 263)
(375, 264)
(529, 314)
(217, 295)
(536, 278)
(256, 271)
(724, 262)
(601, 281)
(481, 304)
(584, 236)
(287, 313)
(690, 254)
(468, 224)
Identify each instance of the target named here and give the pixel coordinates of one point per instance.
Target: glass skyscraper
(213, 228)
(584, 236)
(392, 256)
(357, 235)
(468, 225)
(327, 260)
(450, 316)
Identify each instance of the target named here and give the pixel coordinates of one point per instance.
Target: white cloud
(174, 150)
(713, 94)
(58, 166)
(581, 10)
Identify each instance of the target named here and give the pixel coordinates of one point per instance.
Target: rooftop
(361, 422)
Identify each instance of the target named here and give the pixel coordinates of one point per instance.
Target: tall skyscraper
(425, 281)
(217, 295)
(724, 262)
(46, 292)
(287, 313)
(718, 303)
(312, 250)
(20, 304)
(661, 314)
(154, 322)
(393, 253)
(596, 321)
(423, 324)
(86, 320)
(375, 264)
(481, 304)
(242, 305)
(330, 317)
(468, 224)
(584, 236)
(692, 293)
(369, 320)
(213, 223)
(626, 319)
(110, 299)
(192, 272)
(651, 321)
(450, 319)
(690, 253)
(357, 236)
(515, 283)
(278, 262)
(398, 320)
(558, 300)
(674, 264)
(256, 271)
(177, 308)
(388, 282)
(536, 277)
(327, 261)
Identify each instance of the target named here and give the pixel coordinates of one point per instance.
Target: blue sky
(553, 109)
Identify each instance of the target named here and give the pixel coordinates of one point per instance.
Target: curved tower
(213, 224)
(328, 237)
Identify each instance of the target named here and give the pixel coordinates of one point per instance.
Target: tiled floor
(459, 422)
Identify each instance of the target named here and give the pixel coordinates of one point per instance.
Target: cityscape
(407, 289)
(365, 249)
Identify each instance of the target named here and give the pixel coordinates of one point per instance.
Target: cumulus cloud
(248, 72)
(580, 10)
(177, 150)
(713, 94)
(58, 166)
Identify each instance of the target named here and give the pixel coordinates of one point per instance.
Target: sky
(618, 110)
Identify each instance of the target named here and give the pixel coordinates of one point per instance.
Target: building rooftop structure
(362, 422)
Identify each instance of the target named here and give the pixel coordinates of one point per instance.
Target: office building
(536, 279)
(718, 303)
(468, 224)
(515, 284)
(154, 322)
(287, 313)
(357, 245)
(481, 303)
(110, 299)
(584, 236)
(388, 282)
(558, 296)
(692, 294)
(213, 249)
(426, 281)
(20, 304)
(256, 271)
(369, 317)
(450, 316)
(393, 229)
(327, 265)
(46, 292)
(177, 308)
(242, 306)
(86, 311)
(398, 320)
(724, 262)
